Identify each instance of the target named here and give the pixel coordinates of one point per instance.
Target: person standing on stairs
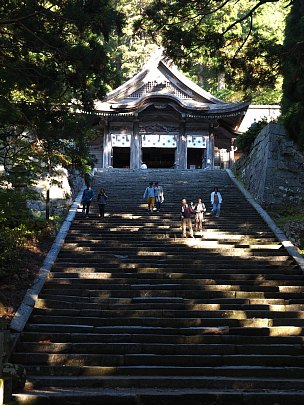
(216, 201)
(86, 200)
(199, 208)
(102, 200)
(186, 212)
(159, 196)
(149, 194)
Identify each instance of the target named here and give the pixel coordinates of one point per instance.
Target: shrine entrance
(158, 158)
(121, 157)
(195, 158)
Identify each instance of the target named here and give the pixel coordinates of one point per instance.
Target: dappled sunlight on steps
(134, 314)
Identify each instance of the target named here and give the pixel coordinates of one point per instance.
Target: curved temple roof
(160, 82)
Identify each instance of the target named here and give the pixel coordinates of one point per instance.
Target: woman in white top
(216, 201)
(199, 209)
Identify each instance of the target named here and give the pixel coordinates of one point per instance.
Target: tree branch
(246, 39)
(249, 14)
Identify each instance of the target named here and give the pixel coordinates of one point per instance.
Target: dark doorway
(121, 157)
(158, 158)
(195, 158)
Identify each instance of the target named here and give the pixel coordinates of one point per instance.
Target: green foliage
(131, 50)
(293, 69)
(17, 229)
(238, 41)
(55, 62)
(245, 141)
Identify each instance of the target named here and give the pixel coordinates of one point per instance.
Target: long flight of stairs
(134, 314)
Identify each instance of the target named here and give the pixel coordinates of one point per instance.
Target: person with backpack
(216, 201)
(86, 200)
(149, 194)
(185, 213)
(102, 200)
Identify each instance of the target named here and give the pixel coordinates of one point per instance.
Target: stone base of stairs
(158, 397)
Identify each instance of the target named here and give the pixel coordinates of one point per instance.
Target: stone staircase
(134, 314)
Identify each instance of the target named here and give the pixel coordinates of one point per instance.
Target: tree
(130, 49)
(245, 141)
(239, 39)
(293, 71)
(54, 61)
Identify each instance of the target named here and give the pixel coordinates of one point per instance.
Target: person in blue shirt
(86, 200)
(149, 194)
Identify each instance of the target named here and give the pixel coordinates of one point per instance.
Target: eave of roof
(188, 106)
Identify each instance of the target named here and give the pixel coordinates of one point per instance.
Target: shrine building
(163, 119)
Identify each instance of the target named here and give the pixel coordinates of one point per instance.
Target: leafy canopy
(240, 38)
(55, 60)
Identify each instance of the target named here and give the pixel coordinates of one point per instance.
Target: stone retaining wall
(274, 170)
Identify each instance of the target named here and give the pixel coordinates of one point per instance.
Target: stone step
(208, 235)
(163, 302)
(168, 305)
(187, 278)
(197, 266)
(173, 260)
(167, 322)
(123, 348)
(114, 283)
(148, 360)
(211, 336)
(77, 241)
(150, 313)
(224, 371)
(173, 290)
(196, 269)
(63, 295)
(208, 246)
(188, 331)
(155, 396)
(173, 382)
(173, 285)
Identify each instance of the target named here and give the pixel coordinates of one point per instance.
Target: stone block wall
(273, 172)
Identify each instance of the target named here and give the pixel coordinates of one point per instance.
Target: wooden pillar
(181, 149)
(204, 158)
(107, 146)
(210, 147)
(135, 147)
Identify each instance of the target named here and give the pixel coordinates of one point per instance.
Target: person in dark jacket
(102, 201)
(186, 212)
(86, 200)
